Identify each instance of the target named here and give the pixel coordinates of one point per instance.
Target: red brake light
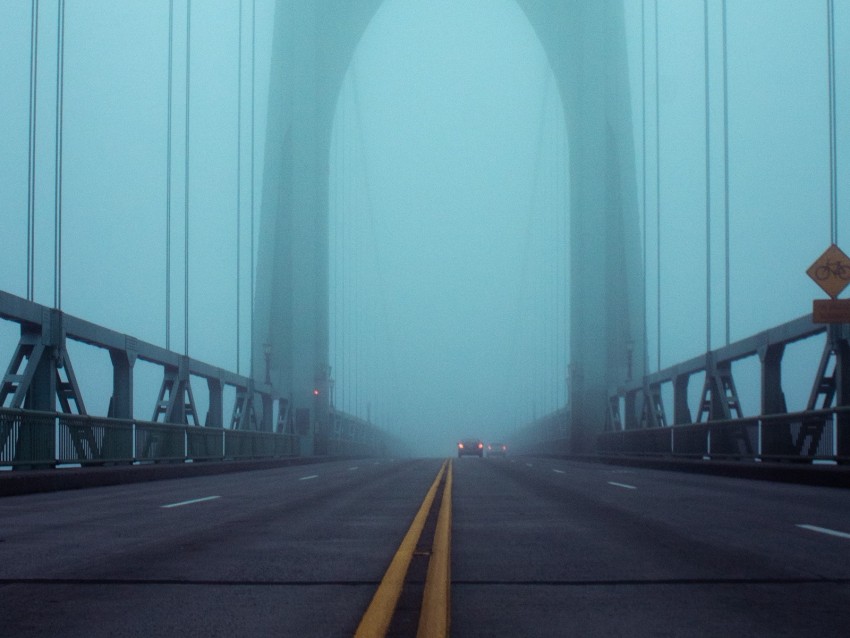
(460, 445)
(480, 445)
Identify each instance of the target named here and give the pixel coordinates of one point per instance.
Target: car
(474, 447)
(497, 449)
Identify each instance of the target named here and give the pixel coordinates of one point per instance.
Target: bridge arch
(586, 48)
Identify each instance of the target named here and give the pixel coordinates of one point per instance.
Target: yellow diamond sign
(831, 271)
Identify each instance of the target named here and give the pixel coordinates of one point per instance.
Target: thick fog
(448, 193)
(449, 239)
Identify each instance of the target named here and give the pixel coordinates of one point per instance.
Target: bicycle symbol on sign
(830, 269)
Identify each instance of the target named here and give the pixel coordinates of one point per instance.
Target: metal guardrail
(27, 438)
(46, 439)
(37, 436)
(815, 435)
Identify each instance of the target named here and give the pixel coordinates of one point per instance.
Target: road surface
(538, 547)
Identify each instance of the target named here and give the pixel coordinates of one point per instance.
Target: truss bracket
(175, 403)
(40, 371)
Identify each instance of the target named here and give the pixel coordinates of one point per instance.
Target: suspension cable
(707, 91)
(554, 244)
(253, 157)
(60, 89)
(186, 183)
(657, 195)
(833, 157)
(727, 274)
(565, 255)
(335, 256)
(239, 190)
(643, 156)
(342, 372)
(168, 172)
(31, 151)
(357, 254)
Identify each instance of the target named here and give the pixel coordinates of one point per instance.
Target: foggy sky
(448, 180)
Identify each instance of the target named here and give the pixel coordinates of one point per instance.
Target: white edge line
(824, 530)
(628, 487)
(559, 471)
(307, 478)
(194, 500)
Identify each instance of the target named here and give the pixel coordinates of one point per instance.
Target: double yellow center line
(434, 616)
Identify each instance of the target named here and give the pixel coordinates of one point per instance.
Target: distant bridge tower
(585, 43)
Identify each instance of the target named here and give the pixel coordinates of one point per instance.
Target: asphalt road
(539, 547)
(553, 548)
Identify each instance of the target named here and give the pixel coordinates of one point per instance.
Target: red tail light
(460, 445)
(480, 445)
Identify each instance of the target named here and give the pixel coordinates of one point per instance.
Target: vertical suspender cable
(186, 184)
(334, 255)
(357, 263)
(556, 275)
(168, 178)
(560, 282)
(643, 151)
(657, 196)
(238, 189)
(354, 301)
(31, 165)
(727, 275)
(554, 243)
(60, 89)
(352, 252)
(348, 271)
(341, 255)
(565, 259)
(253, 154)
(833, 186)
(549, 303)
(707, 180)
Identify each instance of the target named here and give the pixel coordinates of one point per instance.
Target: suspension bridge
(325, 240)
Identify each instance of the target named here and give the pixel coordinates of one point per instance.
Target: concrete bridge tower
(585, 43)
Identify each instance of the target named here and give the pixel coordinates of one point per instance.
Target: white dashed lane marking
(194, 500)
(824, 530)
(307, 478)
(623, 485)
